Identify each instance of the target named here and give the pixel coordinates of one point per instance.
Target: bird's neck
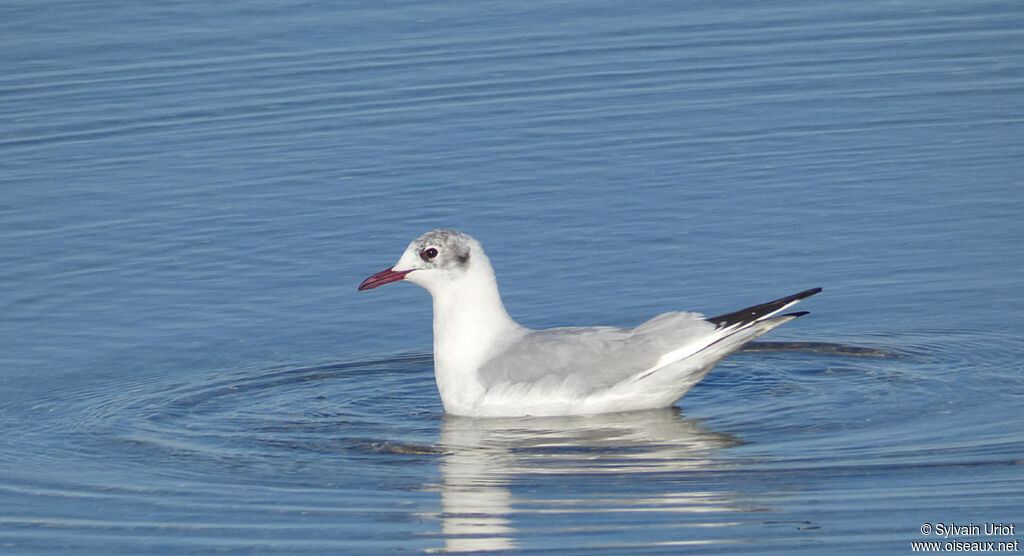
(470, 325)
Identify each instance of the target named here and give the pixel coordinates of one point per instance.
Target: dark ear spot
(463, 258)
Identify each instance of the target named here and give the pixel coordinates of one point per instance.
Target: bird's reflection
(483, 456)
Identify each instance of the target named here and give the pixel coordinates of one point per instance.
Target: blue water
(191, 192)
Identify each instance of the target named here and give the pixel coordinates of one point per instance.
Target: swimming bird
(488, 365)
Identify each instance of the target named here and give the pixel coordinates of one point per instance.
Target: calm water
(191, 191)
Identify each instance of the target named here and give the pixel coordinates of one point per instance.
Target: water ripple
(787, 411)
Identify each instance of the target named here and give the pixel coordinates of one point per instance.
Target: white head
(436, 259)
(469, 319)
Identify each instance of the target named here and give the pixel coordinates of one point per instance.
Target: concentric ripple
(365, 447)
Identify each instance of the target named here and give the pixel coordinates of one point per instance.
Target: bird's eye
(429, 254)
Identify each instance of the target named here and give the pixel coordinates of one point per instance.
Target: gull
(488, 365)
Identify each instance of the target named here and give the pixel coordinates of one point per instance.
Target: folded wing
(597, 358)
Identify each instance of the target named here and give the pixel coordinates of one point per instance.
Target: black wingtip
(752, 314)
(809, 293)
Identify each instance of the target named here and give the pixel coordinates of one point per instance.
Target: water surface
(192, 192)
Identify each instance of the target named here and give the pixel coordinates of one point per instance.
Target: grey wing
(597, 357)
